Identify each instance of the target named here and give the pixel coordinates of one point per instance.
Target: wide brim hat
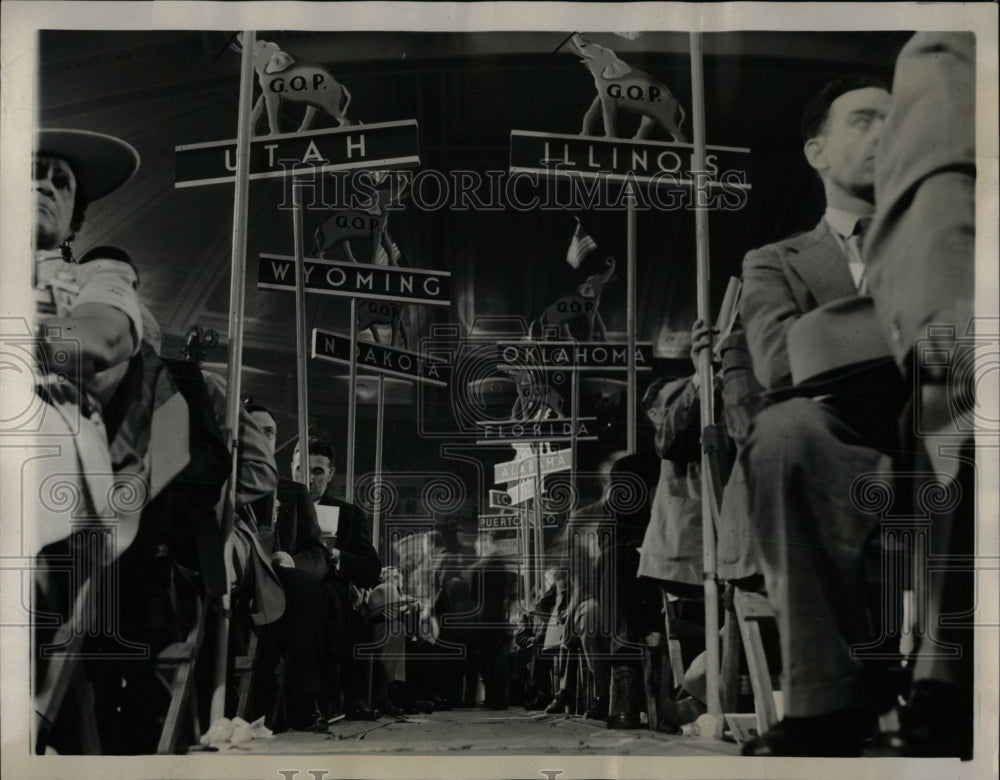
(101, 163)
(836, 348)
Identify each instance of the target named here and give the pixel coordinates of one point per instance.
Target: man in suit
(351, 561)
(803, 454)
(289, 531)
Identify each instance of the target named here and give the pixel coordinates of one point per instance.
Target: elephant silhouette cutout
(282, 78)
(622, 87)
(341, 227)
(584, 303)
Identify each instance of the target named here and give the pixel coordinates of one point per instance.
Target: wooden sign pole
(301, 337)
(352, 402)
(712, 662)
(379, 431)
(234, 373)
(630, 323)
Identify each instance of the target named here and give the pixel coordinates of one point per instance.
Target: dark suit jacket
(632, 517)
(297, 530)
(359, 562)
(781, 282)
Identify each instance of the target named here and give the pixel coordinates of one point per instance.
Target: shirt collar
(842, 222)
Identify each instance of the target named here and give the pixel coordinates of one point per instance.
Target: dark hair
(253, 406)
(321, 447)
(817, 108)
(649, 397)
(109, 253)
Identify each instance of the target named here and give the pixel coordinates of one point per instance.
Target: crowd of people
(819, 385)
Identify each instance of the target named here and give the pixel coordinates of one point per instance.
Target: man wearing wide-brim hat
(89, 318)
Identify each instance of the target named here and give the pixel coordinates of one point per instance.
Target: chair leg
(245, 669)
(750, 607)
(649, 681)
(177, 662)
(729, 677)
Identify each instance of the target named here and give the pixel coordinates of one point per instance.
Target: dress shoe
(627, 697)
(834, 734)
(674, 714)
(304, 715)
(559, 704)
(357, 711)
(936, 722)
(599, 709)
(440, 703)
(538, 702)
(388, 708)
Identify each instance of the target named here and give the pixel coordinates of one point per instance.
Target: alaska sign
(356, 280)
(393, 361)
(367, 147)
(550, 463)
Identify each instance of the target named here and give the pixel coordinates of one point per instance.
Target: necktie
(857, 241)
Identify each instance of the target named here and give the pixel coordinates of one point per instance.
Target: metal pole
(707, 394)
(630, 322)
(379, 431)
(301, 336)
(352, 401)
(234, 372)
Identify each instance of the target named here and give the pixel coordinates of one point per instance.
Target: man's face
(266, 423)
(54, 190)
(321, 471)
(844, 152)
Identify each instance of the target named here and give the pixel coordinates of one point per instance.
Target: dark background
(467, 91)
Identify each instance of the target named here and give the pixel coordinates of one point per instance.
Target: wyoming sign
(356, 280)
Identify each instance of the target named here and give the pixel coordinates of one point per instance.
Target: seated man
(351, 561)
(804, 453)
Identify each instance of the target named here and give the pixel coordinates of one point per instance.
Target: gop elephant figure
(283, 78)
(583, 304)
(620, 86)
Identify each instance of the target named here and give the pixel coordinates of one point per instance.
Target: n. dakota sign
(403, 363)
(367, 147)
(356, 280)
(583, 356)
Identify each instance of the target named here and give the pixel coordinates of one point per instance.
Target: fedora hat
(834, 347)
(101, 163)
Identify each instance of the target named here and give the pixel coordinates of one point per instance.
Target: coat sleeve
(678, 436)
(307, 548)
(768, 308)
(359, 563)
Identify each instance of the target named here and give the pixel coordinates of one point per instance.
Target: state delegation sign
(583, 356)
(551, 463)
(356, 280)
(516, 431)
(403, 363)
(365, 147)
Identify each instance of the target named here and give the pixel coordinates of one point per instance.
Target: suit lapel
(821, 264)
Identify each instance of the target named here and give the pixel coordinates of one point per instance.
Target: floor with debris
(484, 732)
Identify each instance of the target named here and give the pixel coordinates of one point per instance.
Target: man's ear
(815, 152)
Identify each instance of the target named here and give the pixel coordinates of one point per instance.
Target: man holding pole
(804, 453)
